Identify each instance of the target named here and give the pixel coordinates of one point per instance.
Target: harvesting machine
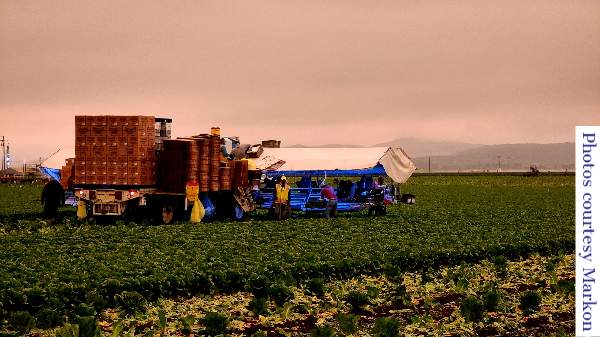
(130, 166)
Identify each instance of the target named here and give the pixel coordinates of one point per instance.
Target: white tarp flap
(397, 165)
(57, 160)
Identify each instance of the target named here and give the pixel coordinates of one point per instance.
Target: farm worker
(71, 184)
(53, 195)
(224, 156)
(380, 182)
(239, 152)
(328, 192)
(281, 204)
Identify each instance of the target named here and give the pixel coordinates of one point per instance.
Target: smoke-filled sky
(308, 72)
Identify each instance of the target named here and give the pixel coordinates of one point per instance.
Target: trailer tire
(238, 212)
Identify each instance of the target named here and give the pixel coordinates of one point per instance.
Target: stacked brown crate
(81, 148)
(114, 150)
(205, 166)
(67, 171)
(181, 163)
(239, 177)
(215, 163)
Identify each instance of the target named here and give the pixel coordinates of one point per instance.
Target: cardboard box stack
(66, 172)
(114, 150)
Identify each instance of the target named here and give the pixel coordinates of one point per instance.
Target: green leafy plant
(48, 319)
(462, 285)
(325, 331)
(215, 323)
(68, 330)
(472, 309)
(357, 299)
(281, 294)
(348, 323)
(88, 326)
(315, 286)
(131, 303)
(259, 285)
(117, 328)
(426, 277)
(491, 300)
(386, 327)
(500, 262)
(187, 323)
(162, 320)
(36, 297)
(565, 287)
(22, 322)
(372, 292)
(55, 304)
(400, 292)
(259, 333)
(96, 301)
(258, 306)
(530, 302)
(2, 311)
(83, 309)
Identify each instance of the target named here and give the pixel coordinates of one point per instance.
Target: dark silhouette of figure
(53, 195)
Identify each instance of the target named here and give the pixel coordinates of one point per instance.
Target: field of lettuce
(476, 255)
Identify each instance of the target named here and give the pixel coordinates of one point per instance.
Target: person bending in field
(328, 193)
(53, 196)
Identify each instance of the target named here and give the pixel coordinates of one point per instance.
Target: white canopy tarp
(396, 163)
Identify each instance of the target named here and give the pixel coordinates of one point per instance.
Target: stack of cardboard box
(115, 150)
(67, 172)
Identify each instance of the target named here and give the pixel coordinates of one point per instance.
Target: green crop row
(77, 265)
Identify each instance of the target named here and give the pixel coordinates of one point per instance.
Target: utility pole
(3, 154)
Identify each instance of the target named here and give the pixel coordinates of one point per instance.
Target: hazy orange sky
(310, 72)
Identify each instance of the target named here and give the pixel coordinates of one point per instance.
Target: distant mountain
(415, 147)
(506, 157)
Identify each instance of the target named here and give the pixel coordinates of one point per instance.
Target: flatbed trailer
(159, 206)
